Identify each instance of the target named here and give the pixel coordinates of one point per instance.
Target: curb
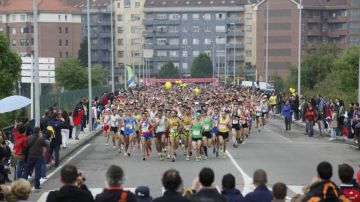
(70, 151)
(316, 130)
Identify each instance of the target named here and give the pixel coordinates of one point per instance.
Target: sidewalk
(316, 130)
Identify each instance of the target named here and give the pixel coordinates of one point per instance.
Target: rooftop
(194, 3)
(43, 5)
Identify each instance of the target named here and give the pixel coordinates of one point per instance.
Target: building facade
(59, 27)
(129, 15)
(178, 31)
(322, 22)
(250, 40)
(354, 38)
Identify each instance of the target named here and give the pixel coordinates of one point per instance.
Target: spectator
(71, 125)
(20, 142)
(73, 190)
(5, 153)
(65, 128)
(348, 184)
(171, 182)
(77, 116)
(208, 192)
(56, 138)
(18, 190)
(334, 125)
(279, 192)
(114, 192)
(142, 194)
(261, 192)
(287, 112)
(310, 115)
(322, 187)
(358, 177)
(228, 185)
(35, 157)
(295, 105)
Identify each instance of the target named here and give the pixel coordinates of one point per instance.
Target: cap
(108, 109)
(142, 194)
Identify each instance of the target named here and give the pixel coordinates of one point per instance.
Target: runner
(173, 125)
(224, 124)
(114, 124)
(129, 132)
(105, 120)
(215, 121)
(186, 139)
(206, 124)
(236, 127)
(196, 136)
(160, 126)
(146, 131)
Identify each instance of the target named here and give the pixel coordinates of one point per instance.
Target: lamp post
(299, 51)
(359, 80)
(89, 62)
(213, 57)
(36, 64)
(267, 43)
(112, 46)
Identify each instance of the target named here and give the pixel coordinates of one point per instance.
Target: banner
(130, 76)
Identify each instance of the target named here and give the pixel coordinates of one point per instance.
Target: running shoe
(173, 159)
(223, 156)
(125, 154)
(128, 154)
(144, 158)
(106, 144)
(119, 150)
(217, 154)
(204, 158)
(114, 147)
(188, 158)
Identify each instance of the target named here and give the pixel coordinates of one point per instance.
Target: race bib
(196, 132)
(129, 126)
(222, 127)
(207, 127)
(187, 127)
(235, 122)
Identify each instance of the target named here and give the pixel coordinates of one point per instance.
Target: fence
(68, 100)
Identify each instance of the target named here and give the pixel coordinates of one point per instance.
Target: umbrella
(12, 103)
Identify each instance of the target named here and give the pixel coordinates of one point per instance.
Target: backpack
(323, 197)
(352, 193)
(124, 195)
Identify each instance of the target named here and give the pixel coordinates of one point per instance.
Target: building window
(120, 54)
(135, 17)
(60, 54)
(248, 40)
(24, 30)
(220, 53)
(120, 18)
(161, 53)
(135, 30)
(60, 30)
(66, 42)
(66, 30)
(174, 54)
(184, 41)
(1, 18)
(13, 42)
(195, 16)
(207, 16)
(59, 17)
(184, 16)
(220, 28)
(195, 41)
(161, 17)
(174, 16)
(220, 16)
(185, 65)
(118, 5)
(60, 42)
(196, 29)
(173, 41)
(162, 41)
(135, 53)
(248, 28)
(248, 16)
(184, 53)
(13, 18)
(137, 4)
(207, 41)
(23, 17)
(13, 31)
(94, 42)
(65, 17)
(24, 42)
(248, 53)
(207, 28)
(173, 29)
(120, 30)
(220, 40)
(196, 53)
(135, 41)
(127, 3)
(120, 42)
(161, 29)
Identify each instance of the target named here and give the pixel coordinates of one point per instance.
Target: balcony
(161, 34)
(237, 21)
(314, 19)
(337, 19)
(237, 33)
(237, 58)
(162, 47)
(160, 22)
(314, 32)
(237, 46)
(337, 33)
(164, 59)
(105, 35)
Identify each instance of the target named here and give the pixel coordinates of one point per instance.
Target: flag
(130, 76)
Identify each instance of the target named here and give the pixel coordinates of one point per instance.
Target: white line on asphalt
(282, 137)
(248, 186)
(66, 162)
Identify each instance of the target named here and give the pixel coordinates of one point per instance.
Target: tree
(10, 67)
(202, 67)
(71, 75)
(83, 52)
(279, 83)
(169, 71)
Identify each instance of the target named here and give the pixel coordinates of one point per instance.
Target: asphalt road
(289, 157)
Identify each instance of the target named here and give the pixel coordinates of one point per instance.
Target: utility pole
(112, 47)
(299, 51)
(267, 43)
(359, 80)
(36, 64)
(89, 65)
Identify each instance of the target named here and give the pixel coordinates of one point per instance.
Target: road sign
(27, 73)
(41, 79)
(41, 66)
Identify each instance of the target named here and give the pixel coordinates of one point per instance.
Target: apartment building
(323, 21)
(59, 27)
(178, 31)
(354, 38)
(250, 40)
(129, 15)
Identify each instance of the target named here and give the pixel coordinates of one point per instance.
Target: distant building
(129, 15)
(100, 32)
(250, 40)
(354, 22)
(323, 21)
(59, 27)
(179, 30)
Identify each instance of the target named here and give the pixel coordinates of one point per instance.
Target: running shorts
(106, 128)
(263, 114)
(215, 131)
(174, 134)
(236, 126)
(114, 129)
(225, 135)
(207, 134)
(128, 134)
(147, 135)
(186, 133)
(159, 135)
(196, 139)
(245, 125)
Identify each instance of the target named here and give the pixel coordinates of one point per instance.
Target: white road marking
(94, 192)
(66, 162)
(282, 137)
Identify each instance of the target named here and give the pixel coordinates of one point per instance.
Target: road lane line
(282, 137)
(248, 182)
(66, 162)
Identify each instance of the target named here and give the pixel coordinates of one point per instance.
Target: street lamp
(89, 63)
(267, 43)
(213, 57)
(299, 50)
(112, 46)
(36, 64)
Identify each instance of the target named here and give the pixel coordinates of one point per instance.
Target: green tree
(279, 83)
(70, 74)
(168, 70)
(98, 75)
(10, 67)
(202, 67)
(83, 52)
